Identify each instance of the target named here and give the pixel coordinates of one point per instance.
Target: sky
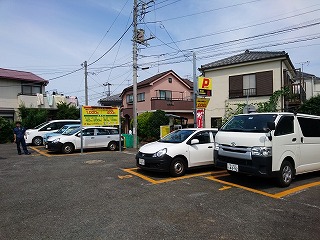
(52, 38)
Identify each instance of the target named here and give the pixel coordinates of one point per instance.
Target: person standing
(19, 133)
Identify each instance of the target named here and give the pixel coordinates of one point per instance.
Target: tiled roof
(20, 75)
(154, 78)
(112, 98)
(247, 56)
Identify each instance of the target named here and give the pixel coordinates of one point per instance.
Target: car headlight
(261, 151)
(56, 140)
(160, 153)
(216, 146)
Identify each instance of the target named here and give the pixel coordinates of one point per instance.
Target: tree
(149, 124)
(311, 106)
(271, 105)
(67, 111)
(32, 117)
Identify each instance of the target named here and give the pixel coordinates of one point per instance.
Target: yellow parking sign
(202, 103)
(205, 86)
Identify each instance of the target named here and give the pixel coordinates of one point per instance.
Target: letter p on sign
(205, 83)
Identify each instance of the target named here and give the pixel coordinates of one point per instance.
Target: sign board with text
(200, 118)
(202, 103)
(100, 116)
(205, 86)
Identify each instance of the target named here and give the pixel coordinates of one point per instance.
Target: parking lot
(101, 195)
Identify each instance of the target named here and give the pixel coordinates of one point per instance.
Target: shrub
(6, 130)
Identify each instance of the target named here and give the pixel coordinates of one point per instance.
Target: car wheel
(37, 141)
(67, 148)
(178, 167)
(286, 174)
(112, 146)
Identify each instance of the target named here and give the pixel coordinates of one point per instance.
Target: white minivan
(35, 136)
(178, 151)
(93, 137)
(279, 145)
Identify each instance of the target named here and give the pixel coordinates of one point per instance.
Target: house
(312, 83)
(114, 100)
(166, 91)
(250, 77)
(25, 88)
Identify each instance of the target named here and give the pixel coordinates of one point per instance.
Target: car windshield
(249, 123)
(61, 130)
(40, 125)
(177, 136)
(71, 132)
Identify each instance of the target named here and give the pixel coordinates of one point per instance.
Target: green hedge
(6, 130)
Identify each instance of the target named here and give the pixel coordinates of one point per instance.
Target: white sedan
(178, 151)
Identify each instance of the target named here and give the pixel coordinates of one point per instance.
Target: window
(31, 89)
(103, 131)
(285, 126)
(129, 98)
(88, 132)
(141, 97)
(249, 85)
(310, 127)
(113, 131)
(203, 137)
(216, 122)
(164, 94)
(257, 84)
(170, 80)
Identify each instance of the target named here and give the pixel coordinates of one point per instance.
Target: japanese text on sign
(99, 116)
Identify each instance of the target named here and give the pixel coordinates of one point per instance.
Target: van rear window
(310, 127)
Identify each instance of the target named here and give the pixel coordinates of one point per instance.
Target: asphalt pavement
(91, 196)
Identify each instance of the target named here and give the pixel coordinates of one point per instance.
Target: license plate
(141, 161)
(46, 146)
(232, 167)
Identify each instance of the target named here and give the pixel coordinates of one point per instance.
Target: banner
(200, 118)
(99, 116)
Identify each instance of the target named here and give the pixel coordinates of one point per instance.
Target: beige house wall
(220, 87)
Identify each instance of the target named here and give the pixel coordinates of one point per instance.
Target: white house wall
(220, 88)
(8, 93)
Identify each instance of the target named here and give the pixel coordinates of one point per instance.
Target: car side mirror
(194, 141)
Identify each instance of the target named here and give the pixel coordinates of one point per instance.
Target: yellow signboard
(164, 130)
(202, 102)
(204, 86)
(100, 116)
(205, 83)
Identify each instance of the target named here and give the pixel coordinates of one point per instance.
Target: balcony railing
(171, 104)
(296, 94)
(242, 93)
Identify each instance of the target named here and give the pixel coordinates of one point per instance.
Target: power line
(108, 29)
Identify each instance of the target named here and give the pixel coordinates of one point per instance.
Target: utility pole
(195, 87)
(108, 84)
(135, 68)
(86, 82)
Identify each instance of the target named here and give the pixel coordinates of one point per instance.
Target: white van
(35, 136)
(279, 145)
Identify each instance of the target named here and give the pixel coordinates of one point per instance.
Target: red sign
(200, 118)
